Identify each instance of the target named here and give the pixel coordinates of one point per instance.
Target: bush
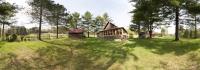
(12, 38)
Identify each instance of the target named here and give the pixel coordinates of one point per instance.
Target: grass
(95, 54)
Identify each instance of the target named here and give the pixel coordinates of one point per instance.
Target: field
(96, 54)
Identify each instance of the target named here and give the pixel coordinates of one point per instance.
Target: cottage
(111, 31)
(76, 33)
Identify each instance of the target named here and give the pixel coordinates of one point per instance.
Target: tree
(193, 8)
(87, 20)
(106, 18)
(148, 12)
(137, 20)
(134, 27)
(7, 8)
(175, 7)
(168, 9)
(99, 23)
(40, 8)
(70, 21)
(18, 30)
(0, 31)
(33, 30)
(7, 11)
(62, 29)
(56, 17)
(186, 34)
(181, 30)
(191, 33)
(76, 18)
(163, 32)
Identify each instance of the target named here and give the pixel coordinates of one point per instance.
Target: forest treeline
(146, 16)
(151, 14)
(54, 14)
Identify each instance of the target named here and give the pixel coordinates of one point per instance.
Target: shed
(76, 33)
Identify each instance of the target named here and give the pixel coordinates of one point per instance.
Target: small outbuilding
(76, 33)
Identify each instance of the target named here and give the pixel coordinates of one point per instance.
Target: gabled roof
(75, 31)
(113, 27)
(110, 24)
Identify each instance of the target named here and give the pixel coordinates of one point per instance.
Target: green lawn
(94, 54)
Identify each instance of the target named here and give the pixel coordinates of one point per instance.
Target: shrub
(12, 38)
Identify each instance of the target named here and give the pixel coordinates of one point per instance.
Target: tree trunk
(177, 24)
(76, 25)
(191, 34)
(139, 30)
(195, 32)
(151, 31)
(57, 28)
(88, 31)
(3, 34)
(40, 22)
(88, 34)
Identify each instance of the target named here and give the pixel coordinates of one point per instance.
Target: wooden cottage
(111, 31)
(76, 33)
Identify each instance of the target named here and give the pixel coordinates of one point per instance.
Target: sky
(118, 10)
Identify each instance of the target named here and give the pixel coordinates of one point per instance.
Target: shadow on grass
(94, 54)
(191, 62)
(88, 54)
(164, 46)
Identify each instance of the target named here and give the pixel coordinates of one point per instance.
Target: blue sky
(116, 9)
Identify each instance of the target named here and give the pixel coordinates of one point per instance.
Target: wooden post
(112, 32)
(120, 33)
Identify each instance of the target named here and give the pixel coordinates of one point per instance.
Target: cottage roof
(109, 25)
(77, 30)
